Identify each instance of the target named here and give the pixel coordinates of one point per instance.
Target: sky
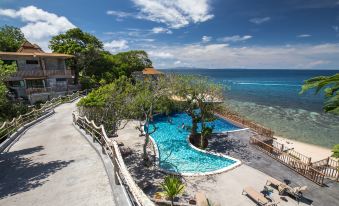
(262, 34)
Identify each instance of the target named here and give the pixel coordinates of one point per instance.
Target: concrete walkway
(52, 164)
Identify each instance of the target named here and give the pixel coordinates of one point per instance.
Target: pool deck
(227, 187)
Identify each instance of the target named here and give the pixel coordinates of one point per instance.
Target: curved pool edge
(188, 174)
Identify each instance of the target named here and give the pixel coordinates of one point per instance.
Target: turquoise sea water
(175, 154)
(271, 98)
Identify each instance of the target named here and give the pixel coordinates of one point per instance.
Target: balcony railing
(42, 73)
(37, 90)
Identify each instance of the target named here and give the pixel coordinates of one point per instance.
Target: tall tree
(10, 38)
(85, 47)
(199, 97)
(150, 98)
(330, 84)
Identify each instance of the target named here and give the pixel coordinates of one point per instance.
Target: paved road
(52, 164)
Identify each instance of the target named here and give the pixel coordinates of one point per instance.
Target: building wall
(51, 64)
(21, 63)
(55, 64)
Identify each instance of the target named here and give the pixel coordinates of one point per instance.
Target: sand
(314, 151)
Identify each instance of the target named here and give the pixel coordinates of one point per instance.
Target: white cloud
(116, 45)
(259, 20)
(235, 38)
(304, 35)
(120, 14)
(206, 39)
(322, 56)
(175, 13)
(160, 54)
(159, 30)
(41, 25)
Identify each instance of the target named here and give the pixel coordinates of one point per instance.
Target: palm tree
(172, 187)
(331, 85)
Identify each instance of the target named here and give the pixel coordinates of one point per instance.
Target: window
(60, 79)
(16, 83)
(35, 83)
(32, 62)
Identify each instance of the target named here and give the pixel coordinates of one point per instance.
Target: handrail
(10, 127)
(290, 161)
(248, 123)
(110, 147)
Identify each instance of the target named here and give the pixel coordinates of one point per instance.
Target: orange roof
(150, 71)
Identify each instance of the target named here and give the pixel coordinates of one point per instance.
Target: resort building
(40, 76)
(147, 73)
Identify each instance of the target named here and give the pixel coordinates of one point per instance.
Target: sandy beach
(313, 151)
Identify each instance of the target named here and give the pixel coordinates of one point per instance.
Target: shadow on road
(19, 173)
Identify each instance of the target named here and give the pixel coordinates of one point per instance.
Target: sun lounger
(258, 197)
(296, 192)
(201, 199)
(282, 187)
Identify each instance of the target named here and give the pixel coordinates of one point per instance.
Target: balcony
(37, 90)
(41, 74)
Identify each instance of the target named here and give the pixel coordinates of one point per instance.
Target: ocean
(271, 98)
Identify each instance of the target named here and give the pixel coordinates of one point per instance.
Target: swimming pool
(176, 155)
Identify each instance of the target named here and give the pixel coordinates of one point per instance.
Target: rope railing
(10, 127)
(110, 147)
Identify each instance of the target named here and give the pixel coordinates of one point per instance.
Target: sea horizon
(271, 97)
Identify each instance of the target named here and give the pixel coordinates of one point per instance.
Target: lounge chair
(296, 192)
(282, 187)
(258, 197)
(201, 199)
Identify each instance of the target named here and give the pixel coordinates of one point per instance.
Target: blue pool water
(175, 154)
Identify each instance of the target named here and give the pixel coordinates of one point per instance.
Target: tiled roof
(151, 71)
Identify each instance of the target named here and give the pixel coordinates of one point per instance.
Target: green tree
(110, 105)
(172, 187)
(128, 62)
(10, 38)
(8, 110)
(199, 97)
(335, 151)
(85, 47)
(330, 84)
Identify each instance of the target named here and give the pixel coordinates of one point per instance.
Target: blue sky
(291, 34)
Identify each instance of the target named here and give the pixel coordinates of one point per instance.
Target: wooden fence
(110, 148)
(10, 127)
(245, 122)
(329, 166)
(290, 161)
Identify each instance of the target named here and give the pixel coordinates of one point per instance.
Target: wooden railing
(245, 122)
(290, 161)
(301, 157)
(110, 148)
(329, 166)
(42, 73)
(10, 127)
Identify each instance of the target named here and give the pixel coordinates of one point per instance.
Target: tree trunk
(146, 127)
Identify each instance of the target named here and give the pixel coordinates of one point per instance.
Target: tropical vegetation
(172, 187)
(330, 86)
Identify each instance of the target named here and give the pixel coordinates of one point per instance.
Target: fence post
(115, 164)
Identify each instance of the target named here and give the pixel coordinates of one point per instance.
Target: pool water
(175, 153)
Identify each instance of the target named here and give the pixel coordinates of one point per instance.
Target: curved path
(52, 164)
